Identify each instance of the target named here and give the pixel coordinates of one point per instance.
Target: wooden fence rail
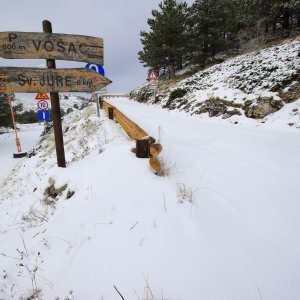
(106, 96)
(145, 145)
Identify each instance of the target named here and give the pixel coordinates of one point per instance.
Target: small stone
(70, 194)
(51, 181)
(226, 116)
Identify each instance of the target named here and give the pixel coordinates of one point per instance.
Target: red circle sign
(152, 76)
(43, 105)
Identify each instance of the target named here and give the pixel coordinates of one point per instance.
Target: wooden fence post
(111, 113)
(101, 102)
(143, 148)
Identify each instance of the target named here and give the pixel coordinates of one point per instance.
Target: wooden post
(56, 114)
(18, 143)
(143, 148)
(111, 113)
(101, 102)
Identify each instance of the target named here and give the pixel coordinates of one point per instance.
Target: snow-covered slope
(252, 85)
(66, 101)
(224, 224)
(29, 135)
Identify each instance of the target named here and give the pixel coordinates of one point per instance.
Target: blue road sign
(97, 68)
(44, 115)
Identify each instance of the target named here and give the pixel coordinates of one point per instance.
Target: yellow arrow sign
(29, 45)
(34, 80)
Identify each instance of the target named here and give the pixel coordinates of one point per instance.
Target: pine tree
(164, 47)
(196, 34)
(5, 114)
(265, 14)
(271, 13)
(287, 13)
(213, 28)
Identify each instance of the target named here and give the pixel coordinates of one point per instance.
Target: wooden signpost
(51, 46)
(29, 45)
(35, 80)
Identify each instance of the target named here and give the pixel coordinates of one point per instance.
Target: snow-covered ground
(66, 101)
(224, 224)
(29, 136)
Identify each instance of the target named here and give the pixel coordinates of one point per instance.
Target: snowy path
(246, 191)
(237, 239)
(29, 136)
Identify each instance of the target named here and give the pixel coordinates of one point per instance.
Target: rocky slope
(252, 85)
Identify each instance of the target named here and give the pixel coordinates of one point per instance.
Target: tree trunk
(205, 45)
(213, 48)
(267, 27)
(274, 26)
(286, 18)
(286, 22)
(172, 69)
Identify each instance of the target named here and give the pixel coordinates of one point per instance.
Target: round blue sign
(96, 68)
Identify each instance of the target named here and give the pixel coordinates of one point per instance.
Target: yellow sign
(42, 96)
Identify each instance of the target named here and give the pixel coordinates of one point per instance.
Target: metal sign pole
(18, 143)
(56, 113)
(98, 107)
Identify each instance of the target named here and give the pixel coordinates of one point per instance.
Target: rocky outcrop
(216, 107)
(291, 93)
(52, 192)
(263, 107)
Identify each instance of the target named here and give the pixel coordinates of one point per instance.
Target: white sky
(118, 22)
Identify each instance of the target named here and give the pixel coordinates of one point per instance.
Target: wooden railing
(145, 145)
(113, 96)
(131, 128)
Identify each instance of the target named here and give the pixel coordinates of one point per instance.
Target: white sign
(43, 105)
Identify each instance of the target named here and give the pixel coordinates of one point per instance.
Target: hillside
(252, 85)
(66, 102)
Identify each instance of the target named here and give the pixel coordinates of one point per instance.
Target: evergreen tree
(164, 47)
(268, 14)
(197, 33)
(213, 28)
(287, 13)
(5, 114)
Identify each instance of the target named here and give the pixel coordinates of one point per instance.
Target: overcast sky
(118, 22)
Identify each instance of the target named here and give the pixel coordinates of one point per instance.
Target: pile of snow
(223, 225)
(252, 85)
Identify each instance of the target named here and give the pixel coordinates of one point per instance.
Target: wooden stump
(143, 148)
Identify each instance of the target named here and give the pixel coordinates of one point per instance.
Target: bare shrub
(184, 193)
(165, 169)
